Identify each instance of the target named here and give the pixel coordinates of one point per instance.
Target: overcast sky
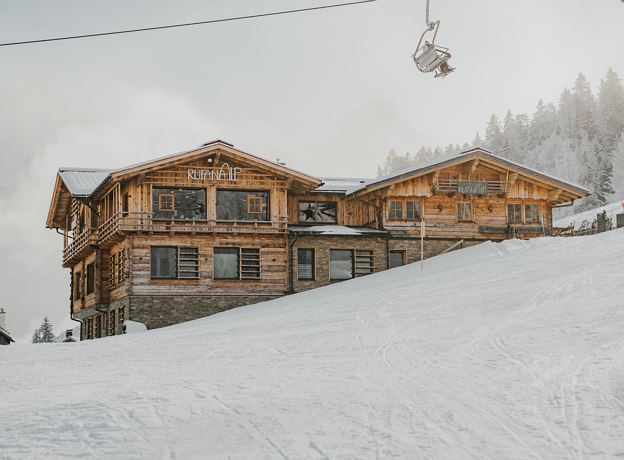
(329, 92)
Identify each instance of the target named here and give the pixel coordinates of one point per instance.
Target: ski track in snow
(499, 351)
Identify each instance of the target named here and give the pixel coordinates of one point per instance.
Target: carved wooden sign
(472, 187)
(223, 173)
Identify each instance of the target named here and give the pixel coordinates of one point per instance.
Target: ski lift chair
(430, 57)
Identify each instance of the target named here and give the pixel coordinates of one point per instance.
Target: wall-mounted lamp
(440, 208)
(490, 208)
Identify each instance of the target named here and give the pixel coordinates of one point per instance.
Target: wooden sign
(224, 172)
(472, 187)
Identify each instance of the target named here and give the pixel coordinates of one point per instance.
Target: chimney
(68, 333)
(2, 319)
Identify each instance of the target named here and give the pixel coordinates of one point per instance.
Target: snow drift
(511, 350)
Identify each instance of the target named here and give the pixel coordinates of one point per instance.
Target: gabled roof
(88, 182)
(82, 182)
(222, 146)
(461, 157)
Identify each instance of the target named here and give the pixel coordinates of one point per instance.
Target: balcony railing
(471, 187)
(144, 223)
(81, 244)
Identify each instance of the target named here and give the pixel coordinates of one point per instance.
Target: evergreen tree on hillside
(44, 333)
(580, 139)
(494, 137)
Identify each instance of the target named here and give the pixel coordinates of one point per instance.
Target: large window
(178, 203)
(396, 259)
(171, 262)
(236, 263)
(514, 213)
(90, 278)
(531, 213)
(345, 263)
(305, 264)
(464, 212)
(243, 205)
(321, 212)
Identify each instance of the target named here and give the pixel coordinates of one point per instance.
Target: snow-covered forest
(579, 138)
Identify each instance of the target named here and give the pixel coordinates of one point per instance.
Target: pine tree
(494, 138)
(44, 333)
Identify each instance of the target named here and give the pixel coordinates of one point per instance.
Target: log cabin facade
(206, 230)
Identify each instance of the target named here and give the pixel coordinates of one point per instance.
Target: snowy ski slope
(512, 350)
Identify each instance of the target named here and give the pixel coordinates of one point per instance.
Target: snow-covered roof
(6, 334)
(333, 230)
(82, 182)
(340, 184)
(441, 160)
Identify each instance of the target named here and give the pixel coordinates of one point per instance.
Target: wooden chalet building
(202, 231)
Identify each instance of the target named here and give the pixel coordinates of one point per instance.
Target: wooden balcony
(471, 187)
(79, 247)
(139, 223)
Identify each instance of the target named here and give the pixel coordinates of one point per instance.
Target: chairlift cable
(188, 24)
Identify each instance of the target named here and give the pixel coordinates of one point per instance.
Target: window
(243, 205)
(514, 213)
(117, 268)
(363, 263)
(323, 212)
(396, 259)
(226, 263)
(125, 204)
(236, 263)
(111, 323)
(90, 278)
(254, 204)
(345, 263)
(166, 202)
(170, 262)
(77, 283)
(305, 264)
(98, 326)
(340, 264)
(464, 212)
(412, 210)
(531, 213)
(179, 204)
(395, 210)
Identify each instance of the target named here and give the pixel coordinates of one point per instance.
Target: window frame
(266, 209)
(403, 254)
(356, 271)
(255, 200)
(392, 210)
(153, 211)
(313, 264)
(472, 216)
(77, 285)
(164, 200)
(519, 213)
(241, 254)
(90, 279)
(537, 214)
(178, 265)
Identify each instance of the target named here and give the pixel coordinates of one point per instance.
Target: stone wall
(160, 311)
(379, 244)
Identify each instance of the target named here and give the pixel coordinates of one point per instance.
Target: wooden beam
(553, 195)
(513, 177)
(474, 166)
